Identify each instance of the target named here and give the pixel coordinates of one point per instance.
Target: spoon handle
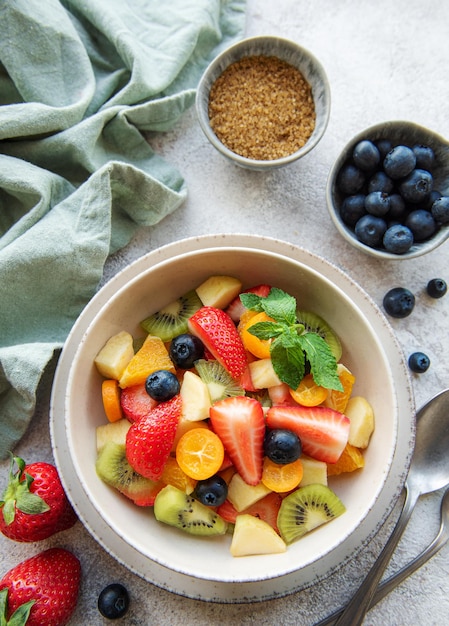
(396, 579)
(358, 606)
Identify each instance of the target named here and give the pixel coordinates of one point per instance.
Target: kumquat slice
(258, 347)
(281, 478)
(308, 392)
(110, 394)
(200, 453)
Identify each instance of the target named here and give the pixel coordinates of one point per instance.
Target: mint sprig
(292, 344)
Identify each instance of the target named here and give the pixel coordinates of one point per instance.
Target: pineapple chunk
(254, 536)
(195, 398)
(313, 472)
(112, 431)
(219, 291)
(115, 355)
(263, 374)
(361, 417)
(242, 495)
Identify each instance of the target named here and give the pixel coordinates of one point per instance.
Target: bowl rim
(237, 51)
(176, 581)
(373, 132)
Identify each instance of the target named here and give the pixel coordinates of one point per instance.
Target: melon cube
(115, 355)
(254, 536)
(219, 291)
(242, 495)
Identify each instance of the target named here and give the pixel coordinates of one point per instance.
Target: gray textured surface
(384, 61)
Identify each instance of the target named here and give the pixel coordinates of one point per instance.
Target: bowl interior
(398, 132)
(362, 353)
(288, 51)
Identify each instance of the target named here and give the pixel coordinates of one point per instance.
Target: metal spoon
(429, 471)
(396, 579)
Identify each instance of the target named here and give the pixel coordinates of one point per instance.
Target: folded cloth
(80, 81)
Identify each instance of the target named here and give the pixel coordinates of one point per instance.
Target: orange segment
(309, 393)
(351, 459)
(152, 356)
(281, 478)
(175, 476)
(110, 394)
(257, 347)
(338, 400)
(200, 453)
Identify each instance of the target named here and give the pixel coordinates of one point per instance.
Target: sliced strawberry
(150, 439)
(266, 509)
(323, 431)
(136, 402)
(218, 333)
(240, 424)
(236, 308)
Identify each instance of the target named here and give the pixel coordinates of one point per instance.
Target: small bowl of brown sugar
(264, 102)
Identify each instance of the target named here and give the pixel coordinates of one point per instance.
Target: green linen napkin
(80, 81)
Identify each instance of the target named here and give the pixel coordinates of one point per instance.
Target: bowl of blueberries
(388, 191)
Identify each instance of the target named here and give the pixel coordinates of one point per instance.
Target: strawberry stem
(20, 615)
(17, 495)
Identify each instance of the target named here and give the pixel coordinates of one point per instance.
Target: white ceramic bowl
(288, 51)
(204, 568)
(398, 132)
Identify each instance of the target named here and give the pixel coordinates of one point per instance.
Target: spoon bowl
(429, 471)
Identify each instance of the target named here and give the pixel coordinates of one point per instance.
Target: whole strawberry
(34, 505)
(150, 439)
(43, 589)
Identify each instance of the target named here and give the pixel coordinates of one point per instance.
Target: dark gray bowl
(399, 132)
(283, 49)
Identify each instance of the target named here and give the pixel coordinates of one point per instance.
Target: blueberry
(370, 230)
(419, 362)
(399, 162)
(162, 385)
(397, 206)
(212, 491)
(421, 223)
(436, 288)
(352, 209)
(377, 203)
(380, 182)
(417, 186)
(384, 146)
(113, 601)
(399, 302)
(425, 157)
(440, 210)
(398, 239)
(350, 179)
(185, 349)
(366, 155)
(282, 446)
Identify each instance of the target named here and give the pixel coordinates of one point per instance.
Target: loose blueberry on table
(399, 302)
(113, 601)
(419, 362)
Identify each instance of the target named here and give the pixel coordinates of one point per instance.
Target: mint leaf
(291, 343)
(280, 306)
(323, 365)
(252, 301)
(266, 330)
(288, 359)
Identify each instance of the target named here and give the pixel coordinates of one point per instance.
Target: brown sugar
(261, 107)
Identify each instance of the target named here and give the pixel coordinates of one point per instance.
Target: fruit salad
(230, 414)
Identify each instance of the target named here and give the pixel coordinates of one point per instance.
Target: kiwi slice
(174, 507)
(171, 320)
(313, 323)
(218, 380)
(307, 508)
(113, 468)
